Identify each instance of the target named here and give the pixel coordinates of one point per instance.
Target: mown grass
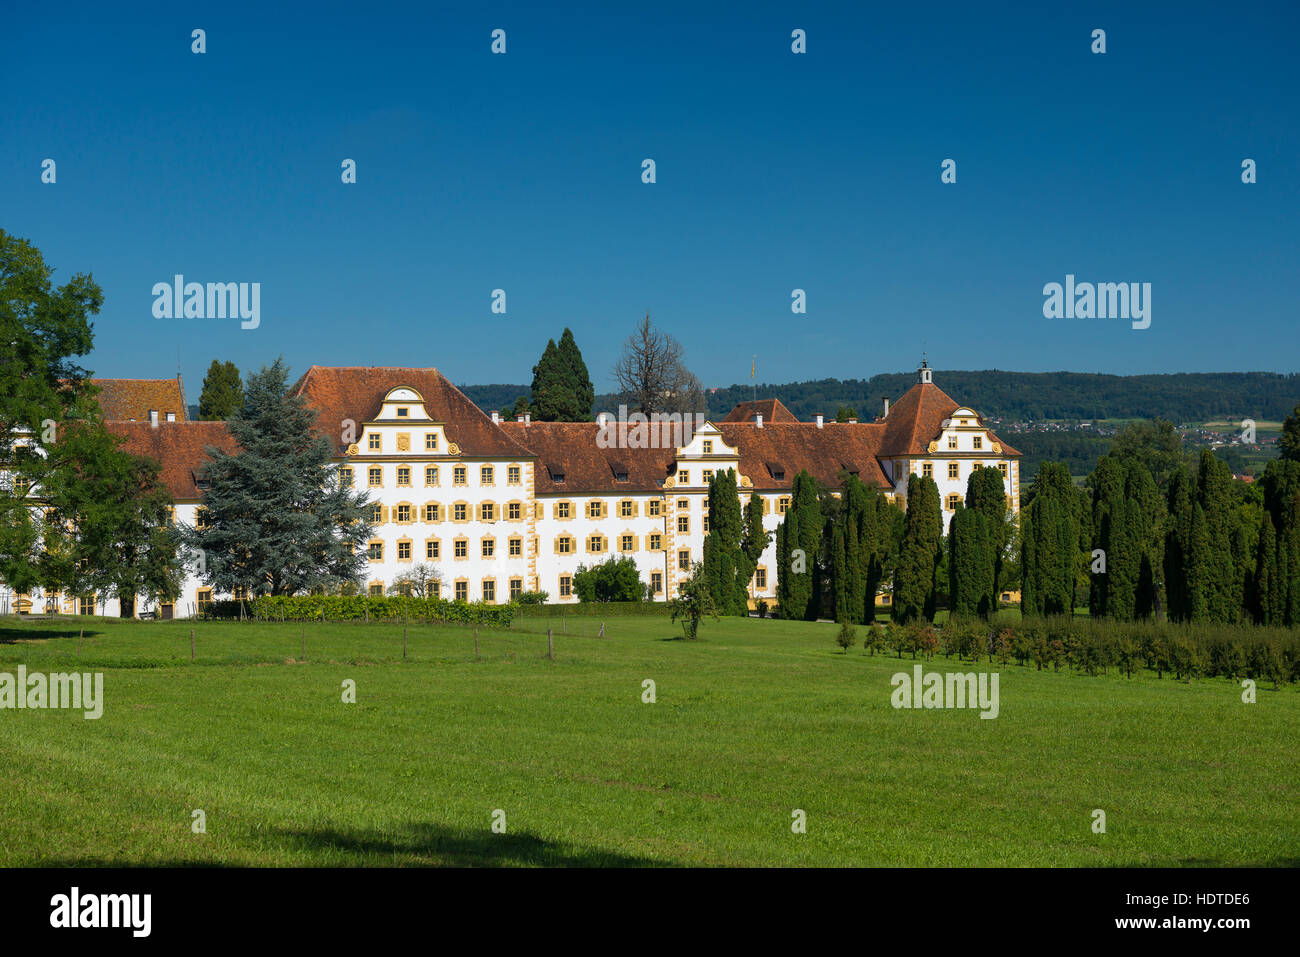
(756, 719)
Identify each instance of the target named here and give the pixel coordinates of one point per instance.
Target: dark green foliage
(562, 390)
(364, 608)
(223, 392)
(727, 566)
(971, 558)
(845, 412)
(693, 602)
(919, 553)
(1050, 530)
(798, 547)
(615, 579)
(279, 521)
(1277, 575)
(1289, 440)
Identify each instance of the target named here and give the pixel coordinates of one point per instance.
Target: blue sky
(775, 171)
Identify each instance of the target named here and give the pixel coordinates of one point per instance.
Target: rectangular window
(376, 590)
(954, 470)
(561, 509)
(431, 548)
(783, 504)
(432, 512)
(684, 559)
(514, 511)
(625, 509)
(462, 591)
(652, 507)
(952, 441)
(346, 477)
(376, 514)
(708, 476)
(489, 590)
(563, 545)
(683, 504)
(627, 543)
(375, 552)
(376, 443)
(487, 512)
(403, 475)
(705, 527)
(927, 470)
(595, 509)
(1002, 467)
(459, 475)
(403, 514)
(485, 475)
(459, 512)
(683, 477)
(489, 547)
(460, 549)
(979, 441)
(204, 599)
(566, 586)
(953, 502)
(656, 542)
(683, 523)
(403, 412)
(513, 475)
(516, 547)
(403, 551)
(596, 544)
(708, 448)
(516, 588)
(376, 476)
(657, 582)
(431, 475)
(760, 578)
(431, 441)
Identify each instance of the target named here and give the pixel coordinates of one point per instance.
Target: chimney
(496, 417)
(153, 418)
(528, 418)
(758, 419)
(853, 421)
(519, 418)
(602, 419)
(819, 420)
(885, 414)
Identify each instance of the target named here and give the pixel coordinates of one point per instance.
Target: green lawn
(754, 720)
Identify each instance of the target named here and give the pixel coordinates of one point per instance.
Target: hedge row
(363, 607)
(596, 609)
(1091, 646)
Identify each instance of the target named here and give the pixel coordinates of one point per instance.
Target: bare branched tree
(652, 376)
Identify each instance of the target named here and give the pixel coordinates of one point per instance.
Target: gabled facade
(502, 507)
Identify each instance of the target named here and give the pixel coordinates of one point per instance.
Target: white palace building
(503, 507)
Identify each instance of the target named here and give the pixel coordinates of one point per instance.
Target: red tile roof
(572, 448)
(357, 393)
(916, 419)
(770, 409)
(825, 453)
(132, 399)
(178, 448)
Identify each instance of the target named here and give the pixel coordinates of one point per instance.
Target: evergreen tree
(799, 540)
(578, 379)
(919, 553)
(1223, 587)
(1289, 440)
(278, 521)
(1145, 523)
(1278, 576)
(986, 494)
(1108, 516)
(845, 413)
(223, 392)
(1050, 531)
(1268, 608)
(970, 564)
(726, 568)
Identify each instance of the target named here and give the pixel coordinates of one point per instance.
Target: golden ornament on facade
(746, 482)
(670, 482)
(932, 447)
(453, 448)
(997, 447)
(353, 449)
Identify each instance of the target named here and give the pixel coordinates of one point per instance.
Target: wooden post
(602, 630)
(550, 645)
(191, 644)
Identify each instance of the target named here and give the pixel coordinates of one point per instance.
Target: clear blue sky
(775, 171)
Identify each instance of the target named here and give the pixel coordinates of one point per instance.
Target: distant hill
(1014, 396)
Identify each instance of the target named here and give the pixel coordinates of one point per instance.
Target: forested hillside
(1014, 396)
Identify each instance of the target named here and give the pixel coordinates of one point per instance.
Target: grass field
(756, 719)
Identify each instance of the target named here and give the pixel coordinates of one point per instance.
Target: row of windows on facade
(596, 544)
(432, 475)
(460, 589)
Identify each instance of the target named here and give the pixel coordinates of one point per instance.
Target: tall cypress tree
(1145, 521)
(800, 540)
(970, 564)
(1050, 543)
(726, 567)
(1108, 516)
(1223, 588)
(578, 379)
(919, 553)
